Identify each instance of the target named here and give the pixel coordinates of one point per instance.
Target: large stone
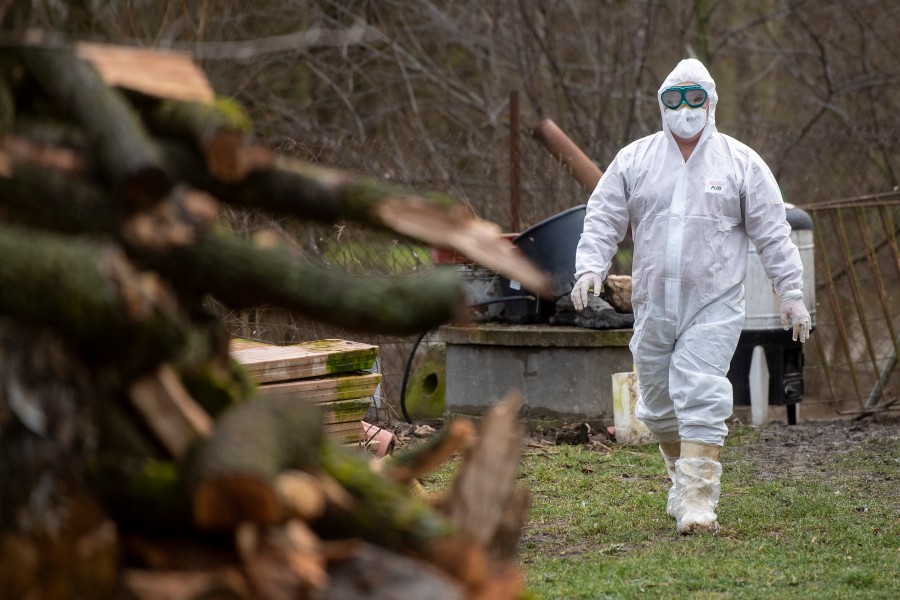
(598, 314)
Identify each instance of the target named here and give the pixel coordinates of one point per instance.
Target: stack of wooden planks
(333, 374)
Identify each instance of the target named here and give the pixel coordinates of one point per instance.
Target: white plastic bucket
(625, 395)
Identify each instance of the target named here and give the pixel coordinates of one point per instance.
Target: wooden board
(326, 389)
(345, 411)
(344, 432)
(267, 363)
(242, 344)
(152, 71)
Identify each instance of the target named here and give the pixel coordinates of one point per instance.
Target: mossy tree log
(220, 130)
(403, 522)
(303, 190)
(387, 515)
(239, 273)
(244, 275)
(90, 292)
(232, 475)
(128, 155)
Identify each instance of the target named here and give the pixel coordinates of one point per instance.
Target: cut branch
(239, 273)
(89, 292)
(129, 157)
(427, 456)
(220, 130)
(244, 276)
(303, 190)
(232, 475)
(174, 417)
(486, 482)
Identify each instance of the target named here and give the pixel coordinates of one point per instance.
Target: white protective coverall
(691, 221)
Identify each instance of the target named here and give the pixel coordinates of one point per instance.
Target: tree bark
(90, 292)
(429, 455)
(232, 475)
(239, 273)
(128, 155)
(220, 130)
(385, 514)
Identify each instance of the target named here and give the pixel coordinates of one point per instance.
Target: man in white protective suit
(693, 197)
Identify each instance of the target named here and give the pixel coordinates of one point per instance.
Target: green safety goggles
(692, 95)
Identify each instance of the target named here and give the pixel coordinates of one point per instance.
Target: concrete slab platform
(563, 373)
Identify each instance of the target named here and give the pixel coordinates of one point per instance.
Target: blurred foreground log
(130, 160)
(233, 473)
(483, 502)
(140, 459)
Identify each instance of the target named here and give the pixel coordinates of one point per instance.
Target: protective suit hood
(690, 69)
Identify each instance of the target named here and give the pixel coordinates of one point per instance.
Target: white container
(625, 395)
(763, 306)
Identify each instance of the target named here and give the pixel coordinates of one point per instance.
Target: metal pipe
(570, 155)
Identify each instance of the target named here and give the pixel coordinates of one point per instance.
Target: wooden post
(514, 162)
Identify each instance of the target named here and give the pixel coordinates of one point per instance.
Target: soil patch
(782, 449)
(787, 451)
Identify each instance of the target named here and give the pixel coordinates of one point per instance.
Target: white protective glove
(583, 287)
(794, 314)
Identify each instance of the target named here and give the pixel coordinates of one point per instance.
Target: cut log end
(302, 495)
(230, 157)
(463, 559)
(145, 186)
(221, 504)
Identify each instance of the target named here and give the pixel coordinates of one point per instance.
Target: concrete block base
(563, 373)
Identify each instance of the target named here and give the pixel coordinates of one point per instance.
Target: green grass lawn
(598, 527)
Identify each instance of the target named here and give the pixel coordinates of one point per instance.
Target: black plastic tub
(551, 246)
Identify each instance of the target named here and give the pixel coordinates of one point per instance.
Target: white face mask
(687, 122)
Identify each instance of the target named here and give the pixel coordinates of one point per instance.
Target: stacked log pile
(332, 374)
(138, 459)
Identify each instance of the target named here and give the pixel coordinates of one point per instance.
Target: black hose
(422, 335)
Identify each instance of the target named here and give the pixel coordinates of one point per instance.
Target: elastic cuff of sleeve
(792, 295)
(580, 274)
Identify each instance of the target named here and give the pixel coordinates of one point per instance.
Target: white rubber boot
(697, 478)
(671, 452)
